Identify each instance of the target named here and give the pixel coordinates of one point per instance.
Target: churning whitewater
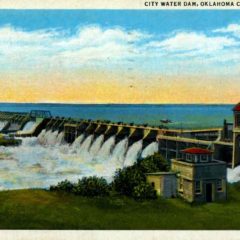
(47, 159)
(2, 124)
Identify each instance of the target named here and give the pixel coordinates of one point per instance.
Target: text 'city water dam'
(58, 148)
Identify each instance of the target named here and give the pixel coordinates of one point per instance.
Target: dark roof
(195, 150)
(237, 107)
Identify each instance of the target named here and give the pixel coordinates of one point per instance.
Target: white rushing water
(29, 126)
(233, 175)
(118, 154)
(150, 150)
(60, 138)
(133, 153)
(76, 144)
(47, 159)
(107, 147)
(51, 137)
(84, 147)
(41, 137)
(96, 145)
(2, 125)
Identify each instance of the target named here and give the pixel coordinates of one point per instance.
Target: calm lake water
(182, 116)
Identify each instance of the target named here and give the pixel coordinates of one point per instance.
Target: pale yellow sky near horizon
(104, 87)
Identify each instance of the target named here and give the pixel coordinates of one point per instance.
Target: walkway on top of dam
(163, 130)
(194, 141)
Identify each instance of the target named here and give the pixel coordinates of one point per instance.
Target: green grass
(41, 209)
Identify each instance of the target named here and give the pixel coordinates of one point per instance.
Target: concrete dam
(102, 137)
(128, 140)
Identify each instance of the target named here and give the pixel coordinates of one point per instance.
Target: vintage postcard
(119, 115)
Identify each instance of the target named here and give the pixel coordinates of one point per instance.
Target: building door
(236, 149)
(209, 192)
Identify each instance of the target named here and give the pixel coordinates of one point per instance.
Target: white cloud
(11, 34)
(105, 47)
(20, 49)
(233, 29)
(193, 42)
(105, 54)
(95, 36)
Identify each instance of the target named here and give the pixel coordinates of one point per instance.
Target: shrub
(87, 186)
(91, 187)
(144, 191)
(65, 186)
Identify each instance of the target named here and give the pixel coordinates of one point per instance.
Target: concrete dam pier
(169, 142)
(119, 130)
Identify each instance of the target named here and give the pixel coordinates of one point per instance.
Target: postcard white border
(108, 234)
(111, 4)
(117, 235)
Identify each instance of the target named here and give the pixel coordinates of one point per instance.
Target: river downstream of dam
(47, 159)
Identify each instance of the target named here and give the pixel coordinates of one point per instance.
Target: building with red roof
(236, 111)
(237, 107)
(236, 136)
(196, 150)
(200, 178)
(197, 155)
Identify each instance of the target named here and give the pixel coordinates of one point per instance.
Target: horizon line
(109, 103)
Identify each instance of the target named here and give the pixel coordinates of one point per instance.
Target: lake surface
(182, 115)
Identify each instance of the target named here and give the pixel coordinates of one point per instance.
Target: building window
(237, 120)
(204, 158)
(219, 185)
(153, 184)
(198, 189)
(181, 184)
(189, 158)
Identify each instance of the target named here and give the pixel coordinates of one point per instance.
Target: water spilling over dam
(54, 149)
(47, 159)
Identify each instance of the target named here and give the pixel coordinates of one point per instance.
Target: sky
(120, 56)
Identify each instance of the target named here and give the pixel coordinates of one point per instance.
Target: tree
(126, 179)
(153, 163)
(131, 181)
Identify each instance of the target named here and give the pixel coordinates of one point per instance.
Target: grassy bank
(40, 209)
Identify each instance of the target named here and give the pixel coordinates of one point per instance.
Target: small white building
(165, 183)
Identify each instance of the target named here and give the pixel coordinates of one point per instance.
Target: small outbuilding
(165, 183)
